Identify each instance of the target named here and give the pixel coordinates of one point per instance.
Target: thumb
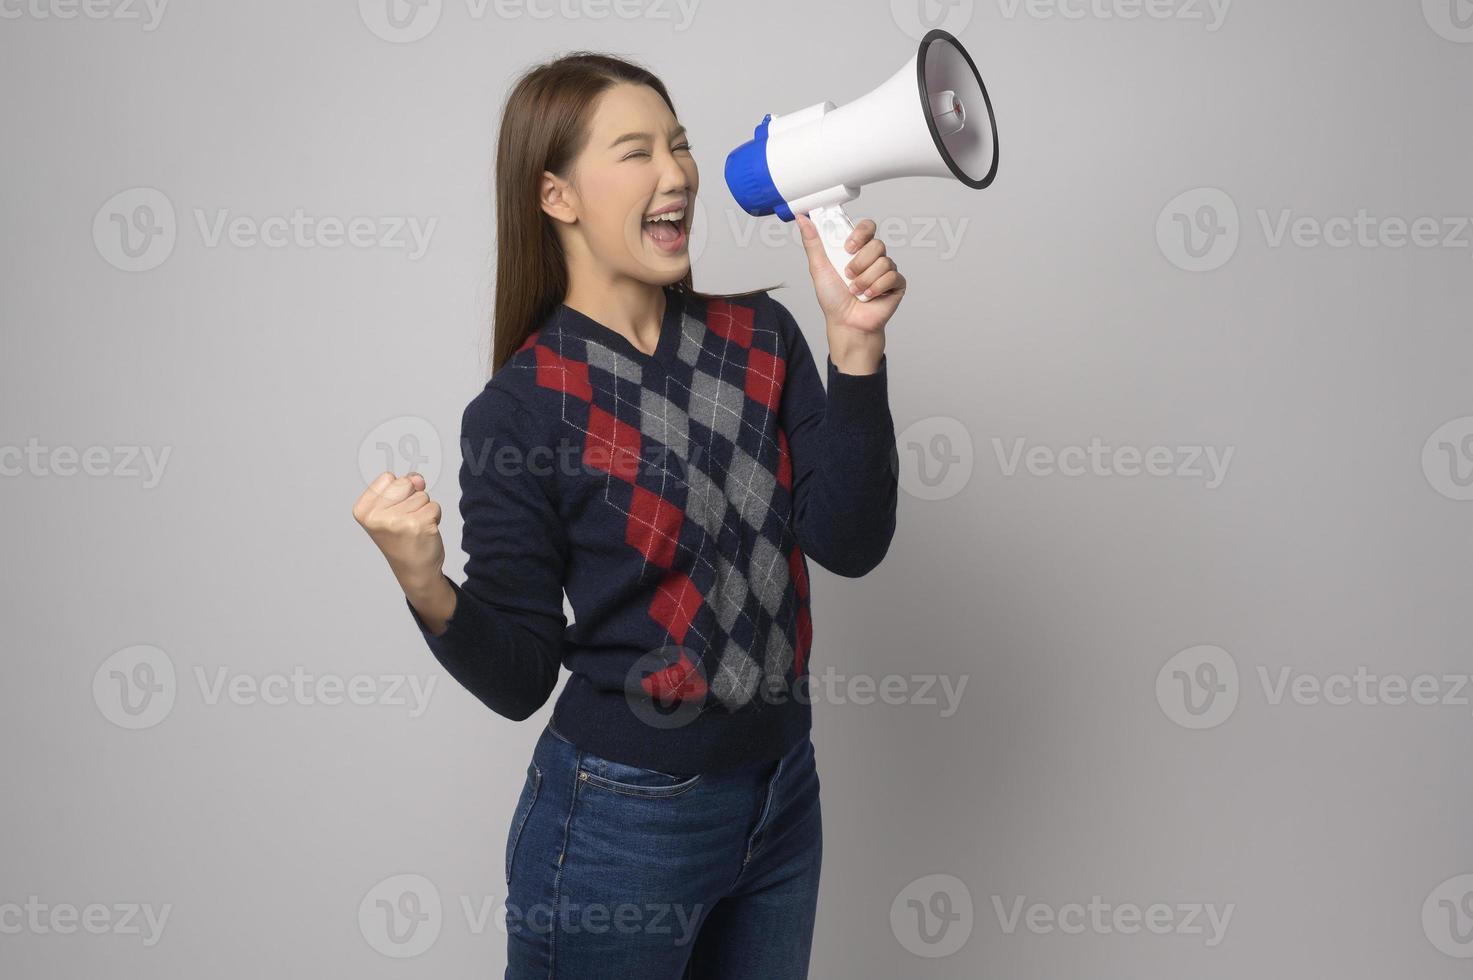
(396, 491)
(818, 259)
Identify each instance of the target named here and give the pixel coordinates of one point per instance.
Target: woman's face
(637, 162)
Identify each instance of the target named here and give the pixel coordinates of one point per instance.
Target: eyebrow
(677, 131)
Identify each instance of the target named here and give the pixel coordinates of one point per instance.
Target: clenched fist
(404, 522)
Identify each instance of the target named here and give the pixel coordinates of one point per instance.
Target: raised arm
(842, 444)
(500, 633)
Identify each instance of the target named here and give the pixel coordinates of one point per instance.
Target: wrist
(434, 604)
(855, 351)
(422, 586)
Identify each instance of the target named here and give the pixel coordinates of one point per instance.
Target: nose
(673, 176)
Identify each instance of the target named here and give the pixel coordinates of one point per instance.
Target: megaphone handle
(834, 227)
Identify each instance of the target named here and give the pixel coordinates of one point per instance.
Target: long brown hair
(544, 125)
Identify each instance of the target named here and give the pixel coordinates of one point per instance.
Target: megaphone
(932, 118)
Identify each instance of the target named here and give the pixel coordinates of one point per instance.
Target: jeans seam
(522, 823)
(753, 839)
(557, 879)
(557, 734)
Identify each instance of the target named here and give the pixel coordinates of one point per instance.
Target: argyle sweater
(676, 498)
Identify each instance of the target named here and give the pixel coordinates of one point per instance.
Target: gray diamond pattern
(717, 404)
(613, 362)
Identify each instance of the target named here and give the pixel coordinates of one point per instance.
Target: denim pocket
(620, 777)
(519, 816)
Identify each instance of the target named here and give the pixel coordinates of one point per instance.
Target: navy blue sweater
(676, 498)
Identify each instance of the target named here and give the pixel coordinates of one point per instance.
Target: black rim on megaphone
(937, 34)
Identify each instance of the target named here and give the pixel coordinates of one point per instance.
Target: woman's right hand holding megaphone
(856, 329)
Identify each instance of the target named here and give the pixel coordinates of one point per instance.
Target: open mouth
(667, 231)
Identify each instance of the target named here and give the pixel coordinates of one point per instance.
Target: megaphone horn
(932, 118)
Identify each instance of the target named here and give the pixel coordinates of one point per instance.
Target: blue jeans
(617, 871)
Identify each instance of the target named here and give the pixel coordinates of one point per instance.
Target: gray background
(1336, 541)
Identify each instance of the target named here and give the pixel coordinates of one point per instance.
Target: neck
(626, 306)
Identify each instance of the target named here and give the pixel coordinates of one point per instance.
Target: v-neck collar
(581, 325)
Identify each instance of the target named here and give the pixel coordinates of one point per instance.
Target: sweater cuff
(453, 626)
(858, 401)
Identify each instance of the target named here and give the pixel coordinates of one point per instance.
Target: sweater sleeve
(503, 642)
(842, 446)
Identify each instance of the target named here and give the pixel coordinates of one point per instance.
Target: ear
(557, 198)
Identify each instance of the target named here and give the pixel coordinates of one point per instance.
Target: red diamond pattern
(563, 374)
(611, 446)
(676, 603)
(765, 373)
(654, 527)
(730, 321)
(677, 682)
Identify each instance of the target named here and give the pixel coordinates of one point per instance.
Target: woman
(670, 459)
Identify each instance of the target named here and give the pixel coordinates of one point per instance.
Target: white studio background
(1166, 673)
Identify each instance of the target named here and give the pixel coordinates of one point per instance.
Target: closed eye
(636, 153)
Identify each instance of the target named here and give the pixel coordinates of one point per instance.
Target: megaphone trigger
(834, 228)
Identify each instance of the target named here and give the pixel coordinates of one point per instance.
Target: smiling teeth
(669, 216)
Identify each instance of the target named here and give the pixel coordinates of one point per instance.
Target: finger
(369, 498)
(867, 278)
(872, 250)
(411, 503)
(863, 232)
(819, 265)
(891, 283)
(398, 488)
(809, 233)
(416, 479)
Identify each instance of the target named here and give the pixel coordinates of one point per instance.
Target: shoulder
(761, 306)
(507, 402)
(758, 316)
(778, 318)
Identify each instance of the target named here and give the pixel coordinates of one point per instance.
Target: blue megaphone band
(749, 179)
